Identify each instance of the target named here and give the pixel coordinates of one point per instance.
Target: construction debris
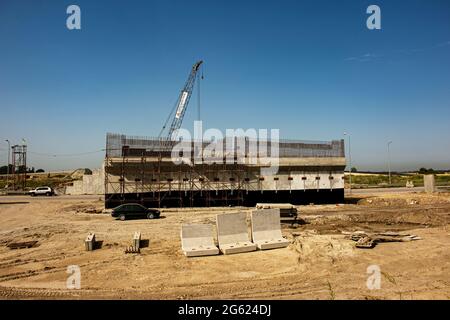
(22, 245)
(132, 249)
(286, 209)
(369, 240)
(136, 245)
(365, 242)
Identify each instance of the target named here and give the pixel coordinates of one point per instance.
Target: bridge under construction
(145, 170)
(142, 170)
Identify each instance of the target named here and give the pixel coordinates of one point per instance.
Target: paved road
(89, 197)
(26, 198)
(391, 190)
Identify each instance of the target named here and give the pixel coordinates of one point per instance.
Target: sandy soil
(318, 264)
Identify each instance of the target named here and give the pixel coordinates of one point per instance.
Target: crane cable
(198, 91)
(65, 155)
(168, 118)
(198, 97)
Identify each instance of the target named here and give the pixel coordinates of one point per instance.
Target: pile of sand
(313, 248)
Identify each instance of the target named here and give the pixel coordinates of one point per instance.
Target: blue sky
(310, 68)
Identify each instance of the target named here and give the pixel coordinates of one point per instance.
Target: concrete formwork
(197, 240)
(232, 233)
(266, 229)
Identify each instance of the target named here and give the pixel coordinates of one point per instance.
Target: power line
(66, 155)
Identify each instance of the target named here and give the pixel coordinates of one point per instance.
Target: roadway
(391, 190)
(27, 198)
(368, 191)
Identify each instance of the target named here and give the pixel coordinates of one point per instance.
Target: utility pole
(350, 161)
(389, 162)
(7, 168)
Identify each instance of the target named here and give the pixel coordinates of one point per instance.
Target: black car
(134, 210)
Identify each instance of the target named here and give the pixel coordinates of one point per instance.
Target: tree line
(21, 169)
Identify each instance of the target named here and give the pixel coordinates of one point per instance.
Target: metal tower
(19, 166)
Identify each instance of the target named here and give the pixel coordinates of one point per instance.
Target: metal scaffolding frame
(147, 175)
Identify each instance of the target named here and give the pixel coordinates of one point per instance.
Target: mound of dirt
(83, 208)
(313, 248)
(389, 218)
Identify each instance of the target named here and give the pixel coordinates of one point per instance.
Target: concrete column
(429, 183)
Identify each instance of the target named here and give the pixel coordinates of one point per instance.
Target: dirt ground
(320, 263)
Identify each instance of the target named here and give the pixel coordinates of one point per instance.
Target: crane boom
(182, 102)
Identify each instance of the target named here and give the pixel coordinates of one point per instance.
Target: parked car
(41, 191)
(134, 210)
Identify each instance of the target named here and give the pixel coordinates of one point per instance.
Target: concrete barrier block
(137, 240)
(266, 229)
(197, 240)
(232, 233)
(90, 242)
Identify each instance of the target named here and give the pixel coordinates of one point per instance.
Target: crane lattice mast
(181, 105)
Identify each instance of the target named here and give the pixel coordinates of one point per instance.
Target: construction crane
(180, 106)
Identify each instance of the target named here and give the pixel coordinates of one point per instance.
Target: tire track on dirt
(19, 262)
(47, 270)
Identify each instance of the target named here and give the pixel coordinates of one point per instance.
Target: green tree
(4, 169)
(425, 170)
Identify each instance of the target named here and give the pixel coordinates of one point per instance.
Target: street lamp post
(7, 167)
(389, 162)
(350, 162)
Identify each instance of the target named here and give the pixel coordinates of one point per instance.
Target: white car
(41, 191)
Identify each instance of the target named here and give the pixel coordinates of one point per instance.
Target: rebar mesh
(118, 145)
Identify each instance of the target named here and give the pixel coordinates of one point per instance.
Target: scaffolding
(157, 182)
(140, 170)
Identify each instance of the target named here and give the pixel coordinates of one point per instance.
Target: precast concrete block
(137, 240)
(266, 229)
(90, 242)
(197, 240)
(232, 233)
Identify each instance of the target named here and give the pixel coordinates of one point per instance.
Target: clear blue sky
(310, 68)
